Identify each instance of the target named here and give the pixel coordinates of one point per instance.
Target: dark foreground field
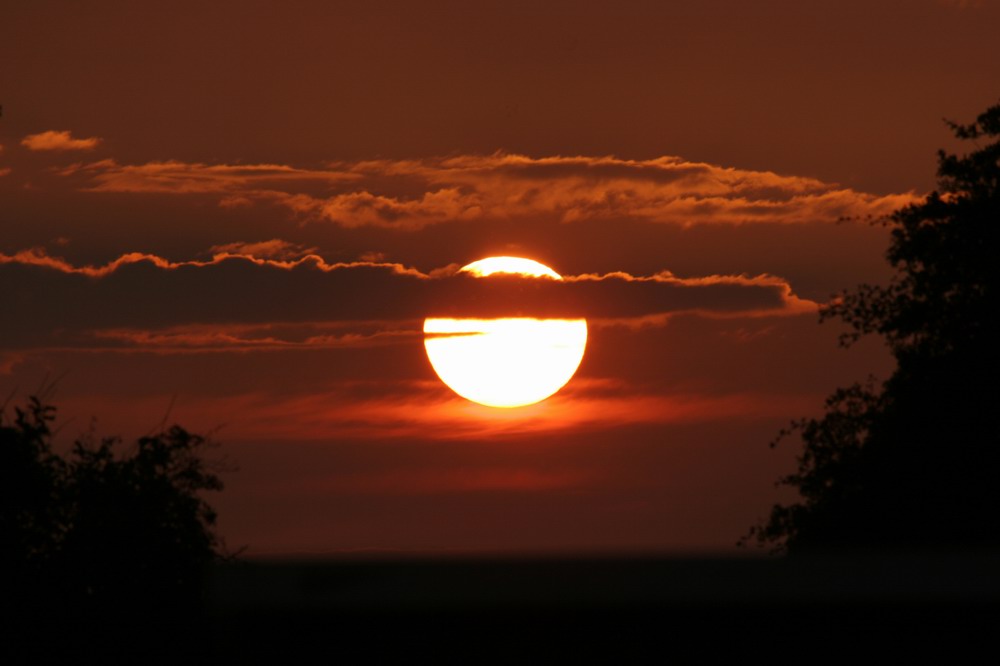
(536, 610)
(539, 610)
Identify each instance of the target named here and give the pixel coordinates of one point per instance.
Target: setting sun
(506, 362)
(480, 280)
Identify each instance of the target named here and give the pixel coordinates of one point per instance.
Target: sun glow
(505, 362)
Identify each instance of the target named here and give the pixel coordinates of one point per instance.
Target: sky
(236, 217)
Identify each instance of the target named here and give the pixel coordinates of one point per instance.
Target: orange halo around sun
(507, 362)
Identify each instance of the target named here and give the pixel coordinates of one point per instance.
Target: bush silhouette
(914, 461)
(102, 533)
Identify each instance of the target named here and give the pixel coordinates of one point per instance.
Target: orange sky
(243, 212)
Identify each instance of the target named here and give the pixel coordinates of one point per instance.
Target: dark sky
(241, 212)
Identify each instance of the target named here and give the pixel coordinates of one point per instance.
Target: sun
(507, 362)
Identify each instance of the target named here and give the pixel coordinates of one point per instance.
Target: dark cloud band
(56, 303)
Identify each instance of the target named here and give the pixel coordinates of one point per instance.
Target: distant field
(583, 607)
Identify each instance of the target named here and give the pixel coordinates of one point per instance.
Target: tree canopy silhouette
(102, 531)
(914, 461)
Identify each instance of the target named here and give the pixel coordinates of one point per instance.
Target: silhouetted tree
(99, 535)
(31, 478)
(914, 461)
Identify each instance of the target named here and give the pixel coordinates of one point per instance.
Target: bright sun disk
(505, 362)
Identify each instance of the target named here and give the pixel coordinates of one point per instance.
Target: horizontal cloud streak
(246, 338)
(428, 410)
(175, 177)
(410, 194)
(145, 300)
(58, 140)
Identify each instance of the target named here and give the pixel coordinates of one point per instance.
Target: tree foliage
(101, 530)
(914, 461)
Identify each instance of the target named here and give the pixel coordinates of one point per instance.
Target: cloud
(58, 140)
(438, 413)
(410, 194)
(241, 338)
(270, 249)
(175, 177)
(238, 301)
(426, 409)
